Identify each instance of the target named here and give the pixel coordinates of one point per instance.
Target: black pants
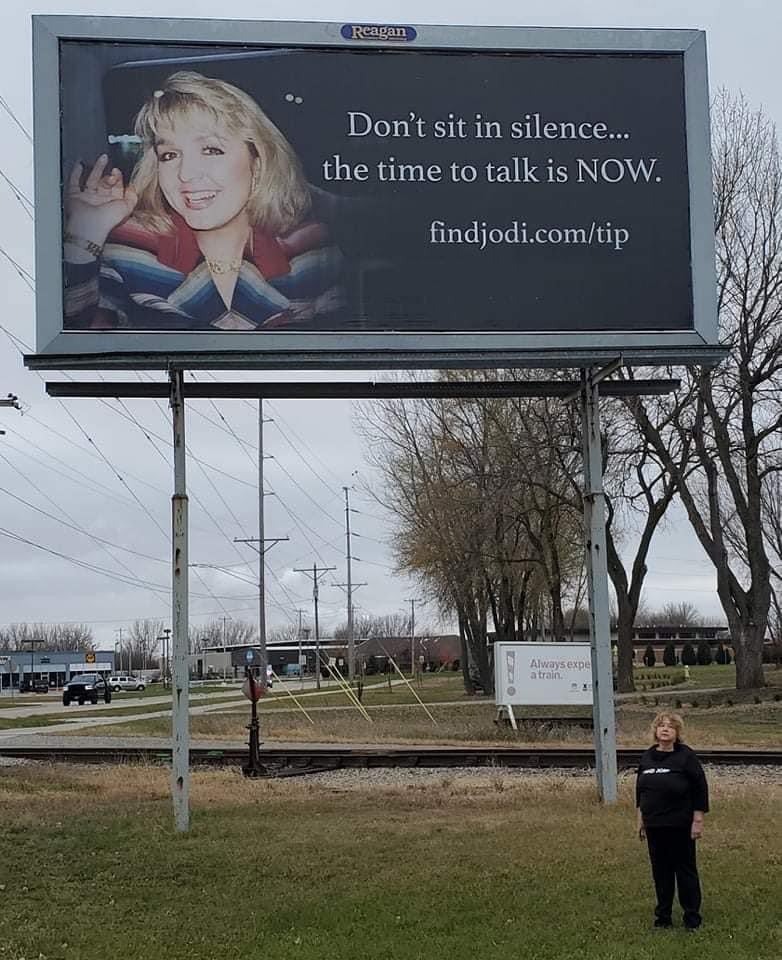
(672, 854)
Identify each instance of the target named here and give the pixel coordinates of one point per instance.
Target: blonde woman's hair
(675, 721)
(280, 196)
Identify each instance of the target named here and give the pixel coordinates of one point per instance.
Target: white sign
(91, 667)
(542, 673)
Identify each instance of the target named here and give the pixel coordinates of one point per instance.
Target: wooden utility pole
(316, 574)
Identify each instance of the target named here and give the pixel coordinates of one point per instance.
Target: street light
(164, 655)
(32, 662)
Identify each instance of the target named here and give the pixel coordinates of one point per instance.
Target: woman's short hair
(675, 721)
(281, 196)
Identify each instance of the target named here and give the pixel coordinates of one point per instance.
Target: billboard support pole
(180, 747)
(597, 579)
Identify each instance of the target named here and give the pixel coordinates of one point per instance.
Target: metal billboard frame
(302, 350)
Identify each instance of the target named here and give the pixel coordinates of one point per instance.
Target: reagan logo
(363, 31)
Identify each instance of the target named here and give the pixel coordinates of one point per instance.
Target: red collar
(180, 251)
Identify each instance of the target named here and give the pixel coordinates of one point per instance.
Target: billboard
(364, 195)
(542, 673)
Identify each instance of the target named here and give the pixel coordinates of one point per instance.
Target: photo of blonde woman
(213, 232)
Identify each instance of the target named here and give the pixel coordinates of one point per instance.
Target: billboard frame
(58, 349)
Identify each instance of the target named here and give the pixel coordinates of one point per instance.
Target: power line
(203, 507)
(28, 278)
(98, 453)
(195, 459)
(375, 563)
(91, 453)
(311, 499)
(81, 478)
(24, 201)
(305, 461)
(119, 477)
(17, 121)
(134, 581)
(74, 526)
(15, 340)
(313, 454)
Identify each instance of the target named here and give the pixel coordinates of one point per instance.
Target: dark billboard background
(611, 255)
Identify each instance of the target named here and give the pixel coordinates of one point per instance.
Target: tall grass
(450, 866)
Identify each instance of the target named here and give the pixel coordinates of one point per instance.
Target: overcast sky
(88, 463)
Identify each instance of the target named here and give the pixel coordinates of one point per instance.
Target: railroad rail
(289, 761)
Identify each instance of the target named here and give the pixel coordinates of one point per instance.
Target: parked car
(34, 686)
(87, 686)
(126, 682)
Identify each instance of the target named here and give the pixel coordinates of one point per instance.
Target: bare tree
(681, 614)
(47, 636)
(380, 626)
(223, 632)
(480, 512)
(283, 633)
(141, 643)
(727, 421)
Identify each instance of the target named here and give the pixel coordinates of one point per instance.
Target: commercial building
(55, 666)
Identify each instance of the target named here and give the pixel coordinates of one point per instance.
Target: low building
(55, 666)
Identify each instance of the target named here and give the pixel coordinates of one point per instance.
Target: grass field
(495, 866)
(79, 713)
(712, 676)
(750, 725)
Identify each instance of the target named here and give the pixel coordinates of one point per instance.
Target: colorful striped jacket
(150, 281)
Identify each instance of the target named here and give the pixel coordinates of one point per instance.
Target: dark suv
(88, 686)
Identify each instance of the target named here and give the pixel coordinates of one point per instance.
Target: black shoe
(663, 924)
(693, 929)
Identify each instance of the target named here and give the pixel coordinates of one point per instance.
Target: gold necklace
(224, 266)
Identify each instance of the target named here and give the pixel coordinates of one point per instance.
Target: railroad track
(289, 761)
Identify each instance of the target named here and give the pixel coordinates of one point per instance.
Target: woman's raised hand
(93, 211)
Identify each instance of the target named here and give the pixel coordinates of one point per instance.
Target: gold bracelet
(94, 248)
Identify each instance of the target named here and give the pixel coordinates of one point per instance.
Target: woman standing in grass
(672, 797)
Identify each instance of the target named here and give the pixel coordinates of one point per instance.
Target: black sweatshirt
(670, 786)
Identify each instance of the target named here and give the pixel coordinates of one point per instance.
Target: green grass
(713, 676)
(433, 688)
(158, 690)
(11, 723)
(745, 725)
(27, 699)
(79, 713)
(450, 870)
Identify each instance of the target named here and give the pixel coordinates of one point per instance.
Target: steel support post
(261, 554)
(180, 746)
(597, 580)
(351, 638)
(317, 626)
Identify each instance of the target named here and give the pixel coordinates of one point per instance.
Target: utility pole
(259, 543)
(413, 601)
(119, 631)
(299, 635)
(350, 588)
(316, 574)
